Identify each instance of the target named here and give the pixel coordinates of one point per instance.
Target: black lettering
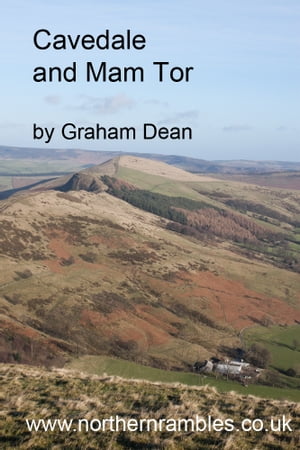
(35, 39)
(104, 37)
(118, 42)
(113, 74)
(139, 42)
(160, 70)
(59, 42)
(42, 74)
(150, 131)
(88, 42)
(39, 74)
(69, 131)
(91, 74)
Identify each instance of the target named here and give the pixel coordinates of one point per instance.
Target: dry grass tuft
(33, 393)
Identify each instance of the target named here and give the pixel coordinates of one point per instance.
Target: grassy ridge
(159, 184)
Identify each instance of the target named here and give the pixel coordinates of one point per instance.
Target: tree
(296, 344)
(258, 355)
(266, 321)
(291, 372)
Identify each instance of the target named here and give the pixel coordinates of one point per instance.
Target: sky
(242, 100)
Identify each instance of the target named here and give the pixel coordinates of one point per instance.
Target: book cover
(150, 224)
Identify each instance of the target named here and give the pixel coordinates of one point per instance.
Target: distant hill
(280, 179)
(79, 158)
(21, 167)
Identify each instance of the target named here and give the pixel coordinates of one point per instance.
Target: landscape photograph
(150, 284)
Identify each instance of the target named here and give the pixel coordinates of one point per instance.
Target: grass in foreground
(30, 393)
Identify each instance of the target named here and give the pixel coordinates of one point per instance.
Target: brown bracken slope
(87, 273)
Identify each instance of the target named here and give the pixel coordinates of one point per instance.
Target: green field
(159, 184)
(126, 369)
(29, 167)
(5, 183)
(283, 343)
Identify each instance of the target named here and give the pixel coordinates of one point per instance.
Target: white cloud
(179, 117)
(105, 105)
(53, 99)
(4, 125)
(156, 102)
(237, 128)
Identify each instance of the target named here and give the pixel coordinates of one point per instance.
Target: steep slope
(87, 179)
(261, 222)
(82, 181)
(88, 273)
